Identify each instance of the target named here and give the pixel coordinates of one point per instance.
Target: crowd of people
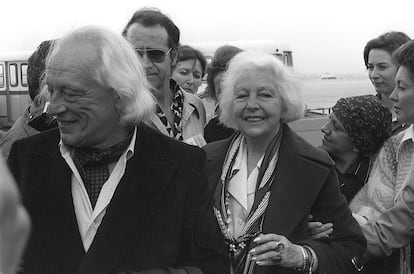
(115, 167)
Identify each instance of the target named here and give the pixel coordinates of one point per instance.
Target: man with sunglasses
(179, 114)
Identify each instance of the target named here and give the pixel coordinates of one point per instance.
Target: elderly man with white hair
(105, 192)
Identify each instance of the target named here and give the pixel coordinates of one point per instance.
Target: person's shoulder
(217, 146)
(193, 99)
(41, 139)
(392, 143)
(390, 146)
(166, 143)
(308, 151)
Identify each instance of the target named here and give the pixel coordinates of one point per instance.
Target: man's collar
(408, 134)
(174, 87)
(65, 150)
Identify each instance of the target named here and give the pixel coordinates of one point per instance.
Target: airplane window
(13, 75)
(1, 75)
(23, 68)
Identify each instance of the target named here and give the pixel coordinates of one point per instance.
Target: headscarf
(367, 121)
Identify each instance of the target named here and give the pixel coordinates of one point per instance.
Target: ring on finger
(279, 247)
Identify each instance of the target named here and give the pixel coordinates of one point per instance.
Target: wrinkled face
(403, 96)
(257, 105)
(188, 75)
(145, 40)
(85, 110)
(381, 71)
(335, 139)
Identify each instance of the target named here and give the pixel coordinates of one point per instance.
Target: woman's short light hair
(284, 81)
(117, 68)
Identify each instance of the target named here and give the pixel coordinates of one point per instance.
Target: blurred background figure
(357, 128)
(214, 130)
(14, 222)
(261, 201)
(382, 69)
(35, 119)
(190, 68)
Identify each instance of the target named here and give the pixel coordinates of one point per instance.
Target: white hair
(117, 68)
(284, 81)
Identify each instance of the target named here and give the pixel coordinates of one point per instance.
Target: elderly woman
(189, 69)
(268, 180)
(384, 207)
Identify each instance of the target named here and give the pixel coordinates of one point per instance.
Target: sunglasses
(154, 55)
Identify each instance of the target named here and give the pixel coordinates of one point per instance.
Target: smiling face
(85, 110)
(335, 139)
(147, 38)
(381, 71)
(257, 105)
(188, 75)
(403, 96)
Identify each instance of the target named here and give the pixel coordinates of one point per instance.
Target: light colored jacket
(19, 130)
(193, 119)
(386, 201)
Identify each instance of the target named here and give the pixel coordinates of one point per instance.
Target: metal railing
(317, 111)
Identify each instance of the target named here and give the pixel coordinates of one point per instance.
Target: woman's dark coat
(305, 183)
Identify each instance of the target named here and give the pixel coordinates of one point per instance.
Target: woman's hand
(273, 249)
(319, 230)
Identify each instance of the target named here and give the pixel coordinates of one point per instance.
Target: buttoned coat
(159, 216)
(305, 183)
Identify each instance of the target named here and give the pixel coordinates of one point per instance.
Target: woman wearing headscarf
(268, 180)
(357, 128)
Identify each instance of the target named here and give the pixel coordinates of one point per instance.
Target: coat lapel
(156, 123)
(295, 187)
(216, 154)
(133, 205)
(189, 106)
(53, 210)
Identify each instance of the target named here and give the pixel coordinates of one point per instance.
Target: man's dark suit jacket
(159, 217)
(305, 183)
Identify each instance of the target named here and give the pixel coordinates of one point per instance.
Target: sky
(326, 36)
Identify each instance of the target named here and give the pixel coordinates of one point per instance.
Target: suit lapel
(297, 183)
(133, 205)
(54, 215)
